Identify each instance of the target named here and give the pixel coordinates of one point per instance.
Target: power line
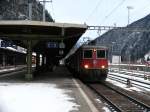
(98, 4)
(113, 10)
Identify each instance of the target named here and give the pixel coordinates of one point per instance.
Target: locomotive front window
(87, 54)
(101, 53)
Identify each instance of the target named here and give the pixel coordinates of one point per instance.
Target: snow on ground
(3, 70)
(98, 100)
(106, 109)
(34, 97)
(132, 77)
(122, 85)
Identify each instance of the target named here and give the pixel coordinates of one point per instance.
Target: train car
(89, 63)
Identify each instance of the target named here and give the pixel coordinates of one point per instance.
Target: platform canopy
(40, 33)
(40, 37)
(34, 30)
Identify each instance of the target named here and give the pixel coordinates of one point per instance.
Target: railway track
(138, 80)
(131, 73)
(119, 101)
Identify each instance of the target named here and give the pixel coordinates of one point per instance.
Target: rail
(119, 101)
(140, 79)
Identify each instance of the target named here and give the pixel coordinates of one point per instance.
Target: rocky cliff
(19, 10)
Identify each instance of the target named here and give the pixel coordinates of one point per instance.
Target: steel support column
(43, 60)
(29, 74)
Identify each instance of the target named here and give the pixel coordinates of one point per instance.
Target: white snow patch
(98, 100)
(34, 97)
(133, 88)
(106, 109)
(123, 85)
(3, 70)
(116, 83)
(132, 76)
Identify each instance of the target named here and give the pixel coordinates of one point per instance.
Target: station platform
(81, 98)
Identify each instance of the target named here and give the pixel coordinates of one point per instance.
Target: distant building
(116, 59)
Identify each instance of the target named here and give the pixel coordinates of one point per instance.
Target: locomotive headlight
(102, 66)
(86, 66)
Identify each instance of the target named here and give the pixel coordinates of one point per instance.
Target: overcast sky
(98, 12)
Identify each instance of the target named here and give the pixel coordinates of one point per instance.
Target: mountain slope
(129, 44)
(19, 10)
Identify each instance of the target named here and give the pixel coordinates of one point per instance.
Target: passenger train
(89, 63)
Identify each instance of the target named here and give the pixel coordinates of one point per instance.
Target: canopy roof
(41, 33)
(24, 30)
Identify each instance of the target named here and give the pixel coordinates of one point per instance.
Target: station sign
(52, 45)
(7, 44)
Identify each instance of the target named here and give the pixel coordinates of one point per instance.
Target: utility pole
(129, 7)
(30, 11)
(44, 3)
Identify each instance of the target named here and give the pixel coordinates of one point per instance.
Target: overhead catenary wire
(91, 13)
(108, 15)
(113, 10)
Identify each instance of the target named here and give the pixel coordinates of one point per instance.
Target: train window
(101, 53)
(87, 54)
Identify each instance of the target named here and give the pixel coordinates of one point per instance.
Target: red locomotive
(89, 63)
